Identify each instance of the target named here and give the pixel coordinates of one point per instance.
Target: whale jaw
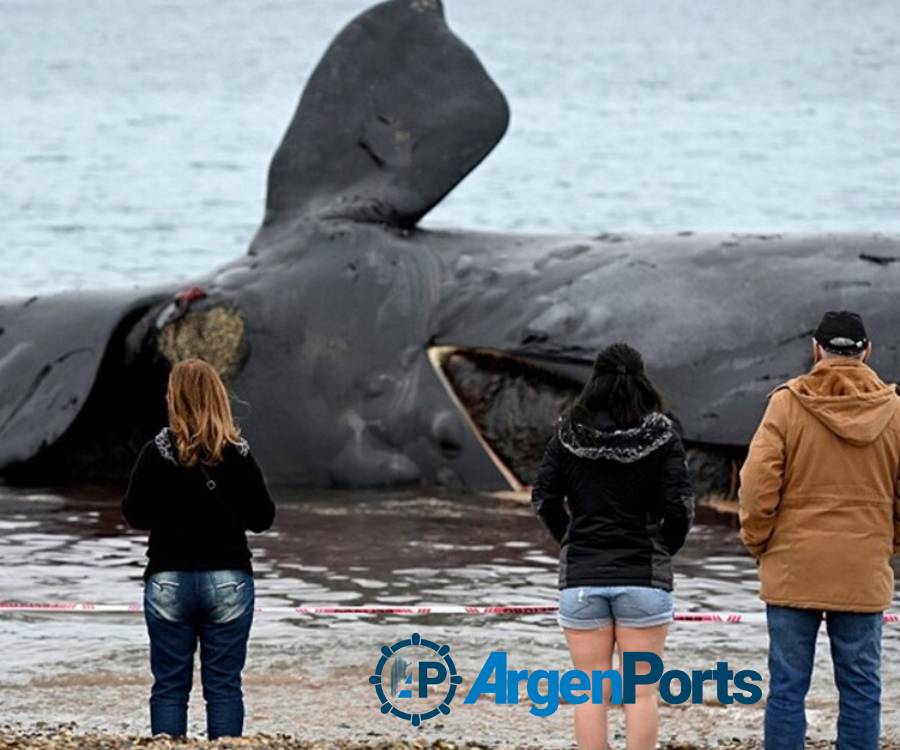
(508, 401)
(511, 403)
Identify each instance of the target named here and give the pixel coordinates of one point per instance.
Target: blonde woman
(197, 489)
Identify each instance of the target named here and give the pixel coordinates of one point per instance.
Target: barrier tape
(725, 618)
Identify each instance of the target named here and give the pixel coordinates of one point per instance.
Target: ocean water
(135, 136)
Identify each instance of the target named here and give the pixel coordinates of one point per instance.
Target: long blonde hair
(199, 413)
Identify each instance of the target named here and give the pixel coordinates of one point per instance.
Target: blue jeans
(595, 607)
(182, 608)
(856, 652)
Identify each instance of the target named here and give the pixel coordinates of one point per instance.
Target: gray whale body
(364, 350)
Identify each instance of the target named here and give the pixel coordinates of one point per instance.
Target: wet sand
(309, 705)
(308, 677)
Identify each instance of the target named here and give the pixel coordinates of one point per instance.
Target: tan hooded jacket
(819, 497)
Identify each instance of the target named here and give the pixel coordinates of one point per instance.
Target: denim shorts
(594, 607)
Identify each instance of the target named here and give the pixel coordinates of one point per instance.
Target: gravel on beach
(65, 738)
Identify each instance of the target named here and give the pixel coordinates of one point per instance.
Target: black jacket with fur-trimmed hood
(197, 517)
(619, 502)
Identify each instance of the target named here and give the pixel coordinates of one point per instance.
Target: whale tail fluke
(398, 111)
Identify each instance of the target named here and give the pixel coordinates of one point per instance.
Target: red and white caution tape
(724, 618)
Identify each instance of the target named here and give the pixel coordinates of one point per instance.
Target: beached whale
(366, 350)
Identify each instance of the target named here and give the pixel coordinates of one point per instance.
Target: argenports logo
(416, 670)
(415, 679)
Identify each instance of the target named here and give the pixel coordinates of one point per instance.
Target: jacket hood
(848, 397)
(624, 446)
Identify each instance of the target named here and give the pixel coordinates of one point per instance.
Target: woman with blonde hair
(197, 489)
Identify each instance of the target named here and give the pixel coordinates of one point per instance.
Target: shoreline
(307, 678)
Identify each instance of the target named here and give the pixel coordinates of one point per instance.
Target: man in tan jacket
(820, 512)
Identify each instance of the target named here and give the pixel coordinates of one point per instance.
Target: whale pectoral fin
(51, 351)
(396, 113)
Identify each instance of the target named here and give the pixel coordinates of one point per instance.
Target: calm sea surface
(135, 136)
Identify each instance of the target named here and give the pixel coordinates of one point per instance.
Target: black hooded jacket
(619, 502)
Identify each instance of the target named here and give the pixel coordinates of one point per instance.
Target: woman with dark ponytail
(614, 491)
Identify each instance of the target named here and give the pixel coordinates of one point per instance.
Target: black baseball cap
(842, 332)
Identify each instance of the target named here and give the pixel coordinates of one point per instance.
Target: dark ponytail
(619, 386)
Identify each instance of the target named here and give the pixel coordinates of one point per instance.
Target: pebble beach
(63, 738)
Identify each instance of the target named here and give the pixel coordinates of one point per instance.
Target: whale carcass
(365, 350)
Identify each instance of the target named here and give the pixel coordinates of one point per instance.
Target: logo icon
(422, 679)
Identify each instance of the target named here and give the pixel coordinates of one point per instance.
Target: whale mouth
(510, 403)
